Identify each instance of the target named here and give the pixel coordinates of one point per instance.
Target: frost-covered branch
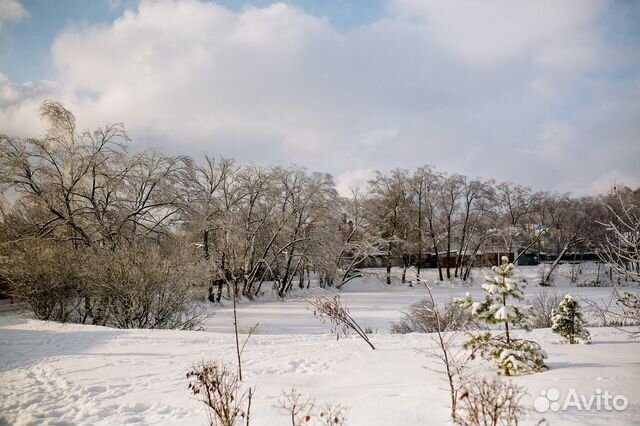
(336, 312)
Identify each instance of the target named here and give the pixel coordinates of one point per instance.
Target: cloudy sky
(543, 93)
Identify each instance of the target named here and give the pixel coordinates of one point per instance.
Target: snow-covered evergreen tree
(568, 322)
(512, 356)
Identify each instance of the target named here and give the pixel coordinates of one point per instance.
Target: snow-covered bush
(494, 403)
(568, 322)
(421, 318)
(511, 356)
(219, 388)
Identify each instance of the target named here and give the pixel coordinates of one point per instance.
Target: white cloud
(276, 85)
(19, 104)
(114, 4)
(555, 141)
(604, 183)
(210, 72)
(11, 11)
(352, 180)
(484, 32)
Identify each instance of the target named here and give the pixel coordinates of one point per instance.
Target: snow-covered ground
(374, 309)
(375, 304)
(55, 374)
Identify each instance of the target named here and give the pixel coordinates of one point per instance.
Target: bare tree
(621, 251)
(360, 237)
(450, 193)
(426, 185)
(517, 203)
(569, 219)
(472, 191)
(68, 174)
(481, 228)
(390, 198)
(621, 248)
(82, 191)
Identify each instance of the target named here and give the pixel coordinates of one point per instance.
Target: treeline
(93, 233)
(455, 219)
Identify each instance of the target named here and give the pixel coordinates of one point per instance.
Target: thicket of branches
(490, 403)
(424, 317)
(113, 237)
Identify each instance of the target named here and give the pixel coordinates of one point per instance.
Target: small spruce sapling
(513, 357)
(568, 322)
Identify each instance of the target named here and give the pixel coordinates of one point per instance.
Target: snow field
(67, 374)
(71, 375)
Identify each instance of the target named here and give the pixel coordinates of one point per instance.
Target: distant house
(528, 259)
(489, 254)
(375, 260)
(447, 260)
(492, 258)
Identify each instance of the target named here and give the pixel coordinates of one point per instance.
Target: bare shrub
(49, 279)
(332, 414)
(132, 287)
(542, 305)
(453, 362)
(336, 312)
(298, 408)
(490, 403)
(219, 389)
(629, 303)
(370, 330)
(146, 288)
(421, 318)
(621, 310)
(302, 410)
